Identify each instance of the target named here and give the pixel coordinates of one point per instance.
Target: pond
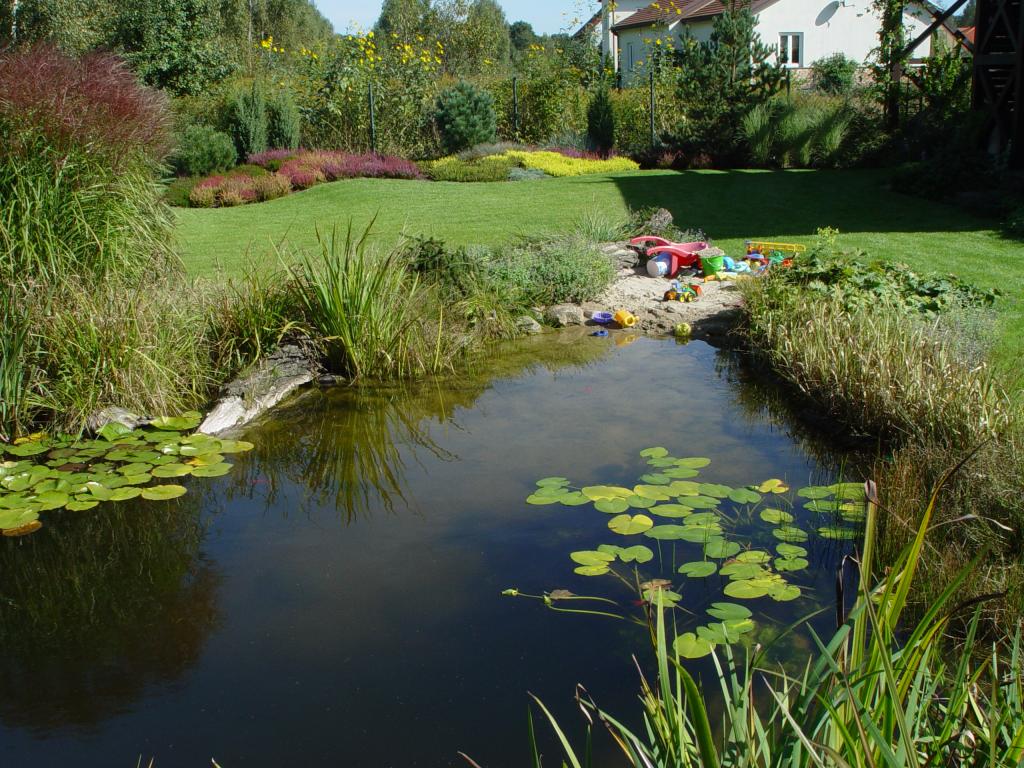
(337, 599)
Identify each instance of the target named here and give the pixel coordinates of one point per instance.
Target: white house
(802, 31)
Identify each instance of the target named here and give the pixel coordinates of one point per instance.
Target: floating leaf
(754, 556)
(656, 479)
(163, 492)
(172, 470)
(738, 571)
(715, 490)
(219, 470)
(660, 596)
(125, 494)
(784, 593)
(699, 502)
(15, 518)
(791, 550)
(552, 482)
(630, 525)
(653, 492)
(693, 463)
(23, 530)
(203, 448)
(684, 488)
(853, 491)
(729, 611)
(716, 634)
(776, 516)
(605, 492)
(680, 473)
(612, 506)
(639, 502)
(137, 468)
(574, 499)
(654, 453)
(666, 532)
(638, 554)
(699, 569)
(186, 421)
(27, 449)
(791, 564)
(745, 590)
(769, 485)
(590, 557)
(689, 646)
(822, 507)
(790, 534)
(113, 431)
(744, 496)
(662, 463)
(539, 501)
(720, 549)
(671, 510)
(838, 533)
(216, 458)
(591, 570)
(81, 506)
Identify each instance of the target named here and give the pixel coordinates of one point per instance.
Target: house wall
(849, 27)
(623, 9)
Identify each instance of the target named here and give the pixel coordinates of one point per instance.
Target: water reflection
(97, 607)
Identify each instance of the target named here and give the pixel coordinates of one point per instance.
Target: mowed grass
(731, 206)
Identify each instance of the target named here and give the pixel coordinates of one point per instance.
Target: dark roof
(669, 11)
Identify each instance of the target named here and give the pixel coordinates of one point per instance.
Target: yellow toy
(625, 318)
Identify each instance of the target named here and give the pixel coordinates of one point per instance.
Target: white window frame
(788, 50)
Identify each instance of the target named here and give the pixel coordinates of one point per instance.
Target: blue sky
(546, 16)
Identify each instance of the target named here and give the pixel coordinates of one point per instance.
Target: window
(631, 59)
(791, 49)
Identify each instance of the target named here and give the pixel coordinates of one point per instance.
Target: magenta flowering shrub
(263, 159)
(224, 191)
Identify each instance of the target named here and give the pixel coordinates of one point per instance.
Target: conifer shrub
(248, 119)
(601, 122)
(465, 117)
(203, 150)
(284, 123)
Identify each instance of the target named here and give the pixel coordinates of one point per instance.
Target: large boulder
(564, 315)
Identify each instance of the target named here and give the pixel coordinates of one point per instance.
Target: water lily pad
(606, 492)
(591, 570)
(219, 470)
(663, 463)
(612, 506)
(715, 490)
(689, 646)
(744, 496)
(172, 470)
(738, 571)
(550, 492)
(699, 502)
(671, 510)
(680, 473)
(684, 488)
(81, 506)
(654, 453)
(716, 634)
(113, 431)
(203, 448)
(27, 449)
(138, 468)
(853, 491)
(729, 611)
(720, 548)
(701, 534)
(666, 532)
(791, 550)
(591, 557)
(699, 569)
(783, 593)
(574, 499)
(815, 492)
(656, 479)
(836, 532)
(630, 525)
(653, 492)
(754, 556)
(639, 502)
(23, 530)
(135, 480)
(125, 494)
(707, 519)
(51, 500)
(769, 485)
(163, 492)
(637, 554)
(745, 590)
(791, 564)
(217, 458)
(552, 481)
(185, 422)
(790, 534)
(14, 518)
(693, 463)
(776, 516)
(540, 501)
(665, 598)
(822, 506)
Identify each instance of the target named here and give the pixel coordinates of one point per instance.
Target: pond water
(336, 599)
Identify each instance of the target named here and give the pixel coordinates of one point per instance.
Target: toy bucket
(659, 266)
(712, 265)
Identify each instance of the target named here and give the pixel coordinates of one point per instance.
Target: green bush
(555, 271)
(465, 117)
(490, 168)
(248, 119)
(601, 122)
(835, 74)
(203, 150)
(284, 123)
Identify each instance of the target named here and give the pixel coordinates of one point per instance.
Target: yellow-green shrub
(555, 164)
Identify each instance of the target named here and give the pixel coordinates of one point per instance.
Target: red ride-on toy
(665, 258)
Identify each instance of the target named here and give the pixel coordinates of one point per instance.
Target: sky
(546, 16)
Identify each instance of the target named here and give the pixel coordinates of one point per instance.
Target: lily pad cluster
(671, 504)
(45, 474)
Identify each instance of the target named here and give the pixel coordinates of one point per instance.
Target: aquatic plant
(878, 692)
(45, 474)
(673, 508)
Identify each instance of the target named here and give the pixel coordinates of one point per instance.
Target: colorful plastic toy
(625, 318)
(679, 255)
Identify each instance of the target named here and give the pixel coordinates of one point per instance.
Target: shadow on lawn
(749, 203)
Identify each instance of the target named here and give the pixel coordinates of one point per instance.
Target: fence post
(373, 121)
(515, 108)
(654, 135)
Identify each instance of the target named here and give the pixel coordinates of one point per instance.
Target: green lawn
(730, 206)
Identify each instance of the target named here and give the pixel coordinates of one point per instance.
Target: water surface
(336, 599)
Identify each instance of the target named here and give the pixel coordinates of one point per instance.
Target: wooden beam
(940, 21)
